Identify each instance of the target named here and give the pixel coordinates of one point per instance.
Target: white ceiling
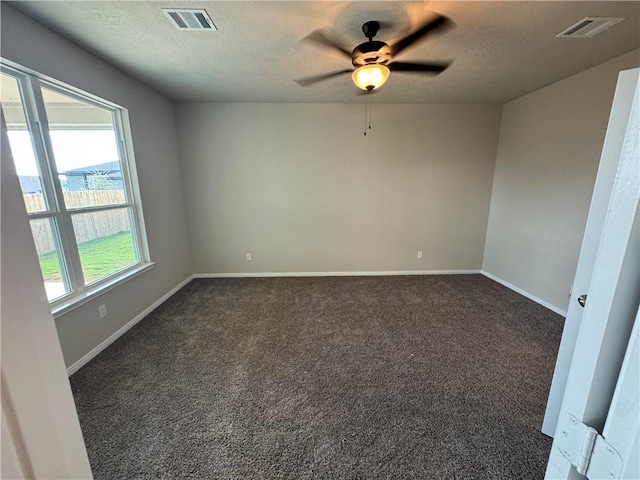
(500, 50)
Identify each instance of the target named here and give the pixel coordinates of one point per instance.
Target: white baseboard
(524, 293)
(122, 330)
(334, 274)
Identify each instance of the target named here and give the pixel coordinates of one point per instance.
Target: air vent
(589, 27)
(189, 19)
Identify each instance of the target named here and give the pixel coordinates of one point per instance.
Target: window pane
(21, 145)
(86, 153)
(105, 242)
(50, 257)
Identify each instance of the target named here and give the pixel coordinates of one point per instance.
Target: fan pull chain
(367, 114)
(366, 107)
(365, 118)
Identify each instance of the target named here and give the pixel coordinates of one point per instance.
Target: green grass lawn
(99, 258)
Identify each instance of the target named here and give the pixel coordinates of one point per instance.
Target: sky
(72, 149)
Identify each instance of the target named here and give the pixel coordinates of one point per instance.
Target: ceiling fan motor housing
(371, 52)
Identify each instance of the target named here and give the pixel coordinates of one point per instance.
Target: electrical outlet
(102, 310)
(419, 253)
(248, 257)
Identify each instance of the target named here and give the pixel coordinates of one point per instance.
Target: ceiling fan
(373, 59)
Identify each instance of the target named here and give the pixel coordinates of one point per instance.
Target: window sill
(66, 304)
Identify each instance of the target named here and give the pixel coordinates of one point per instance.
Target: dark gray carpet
(434, 377)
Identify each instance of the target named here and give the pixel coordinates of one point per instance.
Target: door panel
(622, 428)
(613, 298)
(611, 151)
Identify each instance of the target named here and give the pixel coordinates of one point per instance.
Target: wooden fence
(87, 226)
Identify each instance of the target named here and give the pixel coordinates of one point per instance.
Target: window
(73, 163)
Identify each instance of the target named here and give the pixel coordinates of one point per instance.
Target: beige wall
(156, 152)
(548, 155)
(303, 190)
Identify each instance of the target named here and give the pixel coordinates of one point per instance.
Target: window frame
(80, 292)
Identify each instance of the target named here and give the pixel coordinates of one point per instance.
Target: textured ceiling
(500, 50)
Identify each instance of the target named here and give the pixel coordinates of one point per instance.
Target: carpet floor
(430, 377)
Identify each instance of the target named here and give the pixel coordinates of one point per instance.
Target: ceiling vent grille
(590, 27)
(189, 19)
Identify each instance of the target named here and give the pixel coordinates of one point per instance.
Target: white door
(613, 297)
(609, 160)
(622, 429)
(40, 430)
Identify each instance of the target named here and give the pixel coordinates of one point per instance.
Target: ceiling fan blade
(438, 23)
(305, 82)
(433, 68)
(321, 38)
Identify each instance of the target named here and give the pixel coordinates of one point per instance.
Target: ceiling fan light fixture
(370, 77)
